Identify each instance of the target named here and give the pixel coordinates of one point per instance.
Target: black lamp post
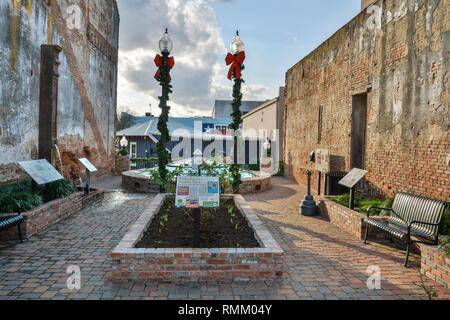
(308, 206)
(165, 63)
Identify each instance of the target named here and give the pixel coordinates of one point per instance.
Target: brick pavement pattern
(322, 261)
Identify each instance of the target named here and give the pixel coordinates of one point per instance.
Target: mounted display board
(353, 177)
(322, 160)
(88, 165)
(197, 192)
(41, 171)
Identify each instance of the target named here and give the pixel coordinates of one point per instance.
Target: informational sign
(88, 165)
(197, 192)
(41, 171)
(353, 177)
(322, 160)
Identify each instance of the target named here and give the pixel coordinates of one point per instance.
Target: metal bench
(7, 222)
(411, 215)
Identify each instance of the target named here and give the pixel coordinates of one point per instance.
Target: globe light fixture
(237, 45)
(124, 142)
(165, 44)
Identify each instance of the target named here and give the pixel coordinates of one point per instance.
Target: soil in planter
(219, 229)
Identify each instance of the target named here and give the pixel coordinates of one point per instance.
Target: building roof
(222, 108)
(261, 107)
(148, 126)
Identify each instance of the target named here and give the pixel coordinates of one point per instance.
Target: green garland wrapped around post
(165, 63)
(236, 60)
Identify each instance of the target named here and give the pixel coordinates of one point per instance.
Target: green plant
(20, 193)
(167, 183)
(444, 228)
(280, 172)
(57, 189)
(363, 203)
(445, 246)
(429, 290)
(122, 152)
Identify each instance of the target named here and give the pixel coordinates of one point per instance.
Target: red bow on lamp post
(159, 62)
(236, 61)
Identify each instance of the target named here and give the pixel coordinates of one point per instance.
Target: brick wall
(435, 264)
(87, 85)
(398, 55)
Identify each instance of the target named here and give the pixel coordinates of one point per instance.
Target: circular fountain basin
(139, 181)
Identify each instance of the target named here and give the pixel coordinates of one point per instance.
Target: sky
(276, 33)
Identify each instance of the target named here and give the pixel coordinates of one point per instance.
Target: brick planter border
(188, 264)
(435, 264)
(134, 181)
(51, 213)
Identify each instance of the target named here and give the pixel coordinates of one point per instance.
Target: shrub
(364, 203)
(57, 189)
(444, 228)
(20, 193)
(122, 152)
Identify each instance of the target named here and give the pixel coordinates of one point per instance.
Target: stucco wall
(87, 81)
(398, 53)
(262, 118)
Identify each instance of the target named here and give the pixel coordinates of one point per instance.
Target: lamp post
(236, 59)
(165, 63)
(123, 142)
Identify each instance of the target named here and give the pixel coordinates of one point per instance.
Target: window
(133, 152)
(319, 125)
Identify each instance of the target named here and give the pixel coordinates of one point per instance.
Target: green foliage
(20, 193)
(57, 189)
(363, 203)
(429, 290)
(444, 228)
(280, 172)
(445, 246)
(163, 154)
(168, 182)
(143, 160)
(236, 115)
(122, 152)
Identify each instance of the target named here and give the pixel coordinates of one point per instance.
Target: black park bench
(7, 222)
(411, 215)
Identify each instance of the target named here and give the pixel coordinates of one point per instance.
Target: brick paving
(322, 261)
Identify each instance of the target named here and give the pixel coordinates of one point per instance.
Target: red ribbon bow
(235, 62)
(159, 62)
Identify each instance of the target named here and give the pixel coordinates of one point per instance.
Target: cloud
(198, 78)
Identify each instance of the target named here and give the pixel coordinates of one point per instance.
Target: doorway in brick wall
(358, 134)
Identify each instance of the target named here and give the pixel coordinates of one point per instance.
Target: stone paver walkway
(322, 261)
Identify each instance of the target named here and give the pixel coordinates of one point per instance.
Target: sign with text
(88, 165)
(197, 192)
(353, 177)
(322, 160)
(41, 171)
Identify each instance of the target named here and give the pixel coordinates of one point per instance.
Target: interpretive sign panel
(41, 171)
(197, 192)
(353, 177)
(322, 160)
(88, 165)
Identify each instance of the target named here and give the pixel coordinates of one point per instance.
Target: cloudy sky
(277, 34)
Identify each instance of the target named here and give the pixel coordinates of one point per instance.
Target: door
(358, 133)
(133, 152)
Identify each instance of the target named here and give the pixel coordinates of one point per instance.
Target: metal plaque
(197, 192)
(88, 165)
(41, 171)
(353, 177)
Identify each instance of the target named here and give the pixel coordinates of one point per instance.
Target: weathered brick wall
(435, 264)
(87, 81)
(398, 53)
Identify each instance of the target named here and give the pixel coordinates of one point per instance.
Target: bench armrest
(368, 210)
(420, 222)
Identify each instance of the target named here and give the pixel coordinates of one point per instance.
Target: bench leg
(407, 253)
(20, 232)
(367, 234)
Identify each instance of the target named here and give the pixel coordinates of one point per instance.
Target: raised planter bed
(135, 181)
(51, 213)
(189, 264)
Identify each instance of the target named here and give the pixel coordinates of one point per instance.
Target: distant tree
(125, 118)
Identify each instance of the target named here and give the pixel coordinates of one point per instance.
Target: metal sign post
(350, 181)
(89, 168)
